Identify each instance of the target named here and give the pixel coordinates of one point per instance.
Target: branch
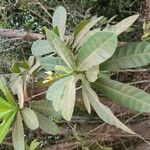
(26, 36)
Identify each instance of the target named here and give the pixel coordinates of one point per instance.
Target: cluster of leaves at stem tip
(88, 55)
(12, 113)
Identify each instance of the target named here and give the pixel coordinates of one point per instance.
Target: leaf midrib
(94, 51)
(122, 94)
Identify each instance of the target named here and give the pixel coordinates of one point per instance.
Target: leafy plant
(36, 115)
(86, 56)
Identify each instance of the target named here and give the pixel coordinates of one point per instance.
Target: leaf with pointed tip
(103, 111)
(85, 30)
(4, 127)
(18, 133)
(5, 90)
(122, 25)
(123, 94)
(50, 63)
(61, 49)
(97, 49)
(132, 55)
(30, 118)
(59, 20)
(56, 90)
(47, 124)
(68, 99)
(41, 47)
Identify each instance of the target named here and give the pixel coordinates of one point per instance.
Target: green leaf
(92, 73)
(59, 20)
(97, 49)
(68, 99)
(85, 30)
(4, 105)
(41, 47)
(4, 127)
(34, 144)
(45, 107)
(124, 94)
(30, 118)
(47, 124)
(103, 111)
(56, 90)
(18, 133)
(50, 63)
(123, 25)
(85, 96)
(61, 49)
(87, 36)
(129, 56)
(5, 90)
(80, 26)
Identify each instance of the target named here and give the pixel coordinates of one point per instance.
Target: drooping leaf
(61, 49)
(68, 99)
(97, 49)
(50, 63)
(47, 124)
(92, 73)
(18, 133)
(123, 25)
(4, 127)
(56, 90)
(16, 86)
(5, 90)
(30, 118)
(59, 20)
(124, 94)
(41, 47)
(103, 111)
(45, 107)
(85, 97)
(85, 30)
(131, 55)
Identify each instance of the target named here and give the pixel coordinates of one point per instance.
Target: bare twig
(26, 36)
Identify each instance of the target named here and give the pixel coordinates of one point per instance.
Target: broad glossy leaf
(124, 94)
(103, 111)
(92, 73)
(68, 99)
(61, 49)
(97, 49)
(123, 25)
(41, 47)
(4, 105)
(45, 107)
(131, 55)
(85, 30)
(18, 133)
(5, 90)
(50, 63)
(4, 127)
(55, 91)
(59, 20)
(30, 118)
(47, 124)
